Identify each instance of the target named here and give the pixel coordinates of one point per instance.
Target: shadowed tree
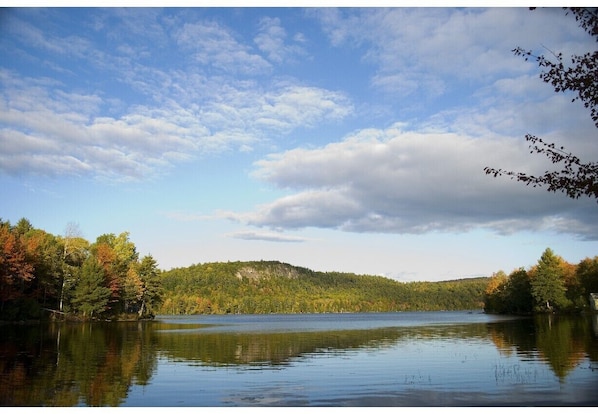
(494, 295)
(587, 274)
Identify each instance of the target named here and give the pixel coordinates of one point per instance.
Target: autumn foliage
(67, 277)
(552, 285)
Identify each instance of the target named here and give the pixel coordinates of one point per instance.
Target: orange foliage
(15, 270)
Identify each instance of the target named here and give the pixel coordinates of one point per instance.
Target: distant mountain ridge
(275, 287)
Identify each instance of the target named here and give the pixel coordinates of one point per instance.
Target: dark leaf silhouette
(574, 178)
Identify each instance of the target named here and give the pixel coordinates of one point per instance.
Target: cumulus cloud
(398, 181)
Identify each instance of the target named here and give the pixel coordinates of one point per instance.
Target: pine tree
(548, 283)
(152, 286)
(91, 294)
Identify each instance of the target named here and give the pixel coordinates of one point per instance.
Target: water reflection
(96, 365)
(561, 341)
(70, 365)
(275, 349)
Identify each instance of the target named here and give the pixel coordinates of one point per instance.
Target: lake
(413, 359)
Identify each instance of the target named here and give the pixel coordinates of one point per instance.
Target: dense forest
(552, 285)
(67, 277)
(274, 287)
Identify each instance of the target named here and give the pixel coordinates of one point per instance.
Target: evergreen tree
(91, 296)
(152, 286)
(548, 283)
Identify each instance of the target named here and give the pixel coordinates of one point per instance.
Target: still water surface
(376, 359)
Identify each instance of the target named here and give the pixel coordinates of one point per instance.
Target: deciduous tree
(15, 270)
(75, 250)
(44, 252)
(587, 274)
(117, 255)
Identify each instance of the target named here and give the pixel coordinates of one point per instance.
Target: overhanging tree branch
(574, 179)
(581, 77)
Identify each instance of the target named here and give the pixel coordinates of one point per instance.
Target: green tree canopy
(509, 294)
(151, 286)
(548, 283)
(587, 273)
(91, 296)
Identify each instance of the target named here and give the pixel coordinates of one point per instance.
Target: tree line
(261, 287)
(552, 285)
(68, 277)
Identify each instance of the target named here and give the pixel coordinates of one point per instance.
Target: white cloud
(301, 106)
(214, 45)
(265, 236)
(147, 114)
(272, 41)
(518, 106)
(407, 182)
(419, 50)
(45, 118)
(34, 36)
(61, 129)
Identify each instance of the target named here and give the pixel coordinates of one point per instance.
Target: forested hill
(274, 287)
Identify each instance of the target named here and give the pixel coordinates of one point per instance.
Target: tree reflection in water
(97, 364)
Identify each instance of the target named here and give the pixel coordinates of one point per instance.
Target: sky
(349, 139)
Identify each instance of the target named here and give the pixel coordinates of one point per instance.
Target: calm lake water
(377, 359)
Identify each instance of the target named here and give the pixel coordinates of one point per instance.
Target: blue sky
(346, 139)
